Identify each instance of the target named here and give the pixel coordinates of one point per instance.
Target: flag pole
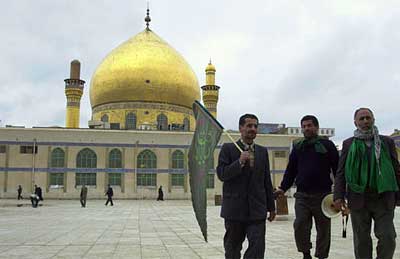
(233, 141)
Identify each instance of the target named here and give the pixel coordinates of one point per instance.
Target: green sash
(319, 147)
(356, 169)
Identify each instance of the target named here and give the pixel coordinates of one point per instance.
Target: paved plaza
(135, 229)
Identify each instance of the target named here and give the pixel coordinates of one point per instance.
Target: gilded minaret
(73, 90)
(210, 90)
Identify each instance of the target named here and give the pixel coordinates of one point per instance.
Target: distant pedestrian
(20, 193)
(34, 200)
(160, 194)
(36, 196)
(109, 194)
(84, 191)
(38, 192)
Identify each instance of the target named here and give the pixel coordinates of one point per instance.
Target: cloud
(277, 59)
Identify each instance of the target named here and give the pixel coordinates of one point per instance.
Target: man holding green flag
(369, 170)
(248, 201)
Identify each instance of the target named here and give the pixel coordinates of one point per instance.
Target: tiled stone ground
(135, 229)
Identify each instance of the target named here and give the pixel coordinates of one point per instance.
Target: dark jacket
(310, 169)
(356, 200)
(38, 192)
(247, 192)
(109, 192)
(84, 191)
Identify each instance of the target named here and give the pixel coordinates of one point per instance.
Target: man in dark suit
(312, 161)
(247, 192)
(369, 171)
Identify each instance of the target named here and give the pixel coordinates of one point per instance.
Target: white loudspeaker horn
(328, 207)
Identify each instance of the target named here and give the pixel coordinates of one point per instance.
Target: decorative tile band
(86, 144)
(107, 170)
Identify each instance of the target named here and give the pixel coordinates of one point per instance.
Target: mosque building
(138, 138)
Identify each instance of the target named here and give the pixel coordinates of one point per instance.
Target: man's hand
(341, 205)
(279, 192)
(244, 157)
(271, 216)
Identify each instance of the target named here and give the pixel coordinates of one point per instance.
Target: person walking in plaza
(247, 199)
(160, 194)
(311, 162)
(20, 193)
(36, 196)
(369, 177)
(109, 194)
(38, 192)
(83, 196)
(34, 200)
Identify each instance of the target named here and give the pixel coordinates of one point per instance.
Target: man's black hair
(310, 118)
(243, 118)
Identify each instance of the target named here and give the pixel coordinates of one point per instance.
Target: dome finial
(147, 19)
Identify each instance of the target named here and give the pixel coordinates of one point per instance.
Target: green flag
(201, 152)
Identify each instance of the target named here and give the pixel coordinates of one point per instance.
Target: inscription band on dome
(143, 105)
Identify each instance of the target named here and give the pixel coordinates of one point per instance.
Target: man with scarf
(311, 163)
(369, 172)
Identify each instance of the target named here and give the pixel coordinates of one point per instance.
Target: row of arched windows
(162, 122)
(87, 158)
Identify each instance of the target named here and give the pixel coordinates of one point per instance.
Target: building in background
(139, 134)
(396, 137)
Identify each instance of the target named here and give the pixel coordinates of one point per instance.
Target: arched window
(186, 124)
(177, 159)
(115, 159)
(57, 158)
(162, 122)
(146, 159)
(104, 118)
(178, 180)
(130, 121)
(86, 158)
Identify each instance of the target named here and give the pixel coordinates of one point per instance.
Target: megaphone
(328, 207)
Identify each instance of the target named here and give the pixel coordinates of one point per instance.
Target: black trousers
(83, 202)
(34, 202)
(109, 199)
(307, 207)
(237, 231)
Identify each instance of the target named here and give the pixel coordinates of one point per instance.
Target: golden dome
(145, 68)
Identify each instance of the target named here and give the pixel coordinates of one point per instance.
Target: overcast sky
(277, 59)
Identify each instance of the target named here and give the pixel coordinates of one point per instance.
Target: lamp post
(33, 163)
